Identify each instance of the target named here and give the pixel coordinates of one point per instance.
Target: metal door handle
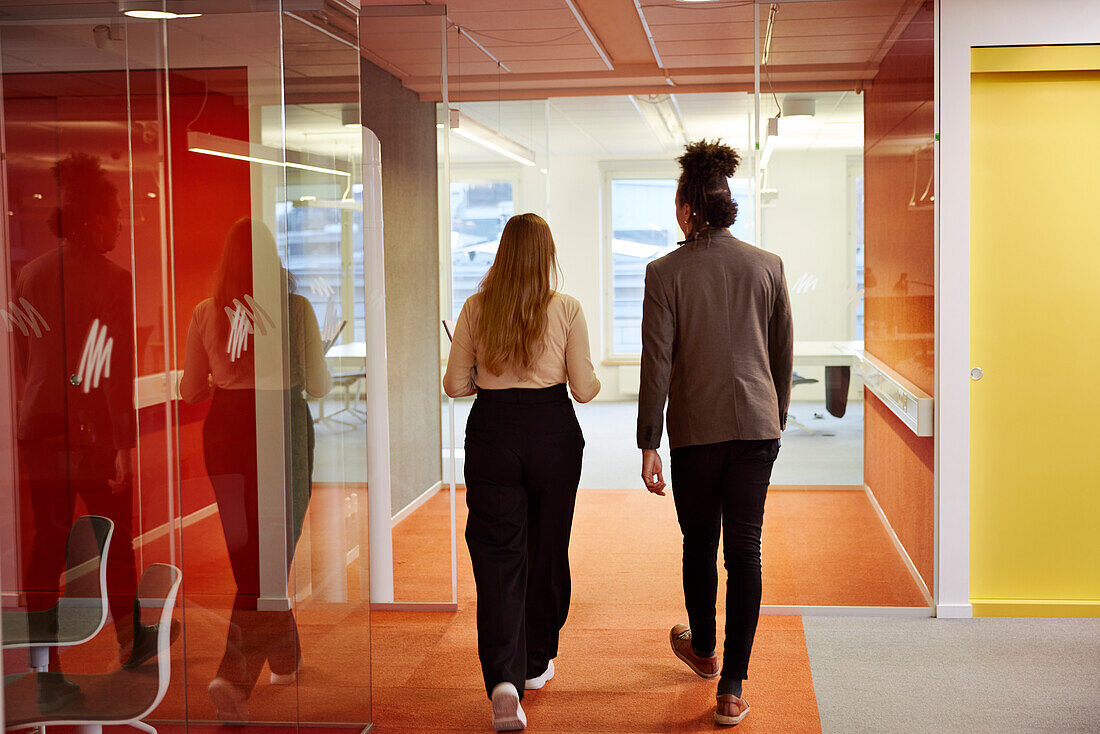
(976, 374)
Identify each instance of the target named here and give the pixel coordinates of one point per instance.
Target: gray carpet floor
(886, 675)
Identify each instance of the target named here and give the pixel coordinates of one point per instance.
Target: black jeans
(722, 487)
(523, 464)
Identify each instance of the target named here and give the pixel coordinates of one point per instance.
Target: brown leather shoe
(730, 710)
(680, 637)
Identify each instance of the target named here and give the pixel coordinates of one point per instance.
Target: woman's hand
(651, 472)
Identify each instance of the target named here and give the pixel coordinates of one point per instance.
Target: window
(644, 228)
(321, 230)
(479, 211)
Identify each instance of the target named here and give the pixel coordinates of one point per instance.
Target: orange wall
(900, 272)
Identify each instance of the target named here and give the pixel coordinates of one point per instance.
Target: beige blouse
(208, 364)
(565, 358)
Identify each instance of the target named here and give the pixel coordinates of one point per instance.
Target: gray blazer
(717, 342)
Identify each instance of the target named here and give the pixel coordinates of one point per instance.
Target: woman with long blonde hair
(516, 344)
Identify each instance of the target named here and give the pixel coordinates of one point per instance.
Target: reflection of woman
(515, 345)
(717, 341)
(221, 361)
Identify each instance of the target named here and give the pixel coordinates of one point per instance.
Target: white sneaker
(228, 700)
(533, 684)
(285, 679)
(507, 713)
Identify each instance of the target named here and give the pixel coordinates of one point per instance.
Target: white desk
(346, 378)
(351, 350)
(828, 354)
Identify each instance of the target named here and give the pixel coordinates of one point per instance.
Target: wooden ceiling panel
(546, 51)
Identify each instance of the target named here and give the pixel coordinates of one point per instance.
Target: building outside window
(479, 211)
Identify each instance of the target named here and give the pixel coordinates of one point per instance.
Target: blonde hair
(515, 294)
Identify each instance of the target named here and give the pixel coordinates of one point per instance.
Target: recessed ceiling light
(155, 9)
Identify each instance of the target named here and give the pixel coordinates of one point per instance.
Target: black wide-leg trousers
(523, 464)
(720, 488)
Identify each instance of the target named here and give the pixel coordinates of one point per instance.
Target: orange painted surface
(900, 275)
(902, 480)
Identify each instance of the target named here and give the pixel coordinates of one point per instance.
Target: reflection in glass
(221, 363)
(74, 354)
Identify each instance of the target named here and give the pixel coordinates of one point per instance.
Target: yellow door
(1035, 331)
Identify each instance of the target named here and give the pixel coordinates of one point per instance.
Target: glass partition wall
(185, 283)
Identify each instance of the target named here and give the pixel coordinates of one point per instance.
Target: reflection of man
(76, 417)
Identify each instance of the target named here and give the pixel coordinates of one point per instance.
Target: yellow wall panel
(1035, 332)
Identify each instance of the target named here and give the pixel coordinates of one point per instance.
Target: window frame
(611, 171)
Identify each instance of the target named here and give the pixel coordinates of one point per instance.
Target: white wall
(575, 220)
(962, 25)
(808, 227)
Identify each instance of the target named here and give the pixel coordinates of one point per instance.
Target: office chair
(797, 380)
(119, 698)
(81, 611)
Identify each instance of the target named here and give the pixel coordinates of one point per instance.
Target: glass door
(184, 288)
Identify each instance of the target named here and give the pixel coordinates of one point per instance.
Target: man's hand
(651, 472)
(124, 466)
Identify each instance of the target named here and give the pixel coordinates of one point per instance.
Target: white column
(377, 394)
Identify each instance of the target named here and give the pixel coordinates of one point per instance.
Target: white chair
(81, 611)
(121, 697)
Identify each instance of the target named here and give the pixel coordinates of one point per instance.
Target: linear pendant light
(241, 150)
(769, 142)
(488, 138)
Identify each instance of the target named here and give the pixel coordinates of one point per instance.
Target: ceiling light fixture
(798, 107)
(661, 113)
(241, 150)
(466, 127)
(770, 138)
(349, 116)
(157, 9)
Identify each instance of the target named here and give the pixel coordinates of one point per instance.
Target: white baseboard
(954, 611)
(416, 504)
(899, 547)
(186, 521)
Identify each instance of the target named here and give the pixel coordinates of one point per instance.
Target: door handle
(976, 374)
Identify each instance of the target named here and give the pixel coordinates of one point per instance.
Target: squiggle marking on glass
(805, 283)
(244, 320)
(320, 287)
(95, 360)
(26, 317)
